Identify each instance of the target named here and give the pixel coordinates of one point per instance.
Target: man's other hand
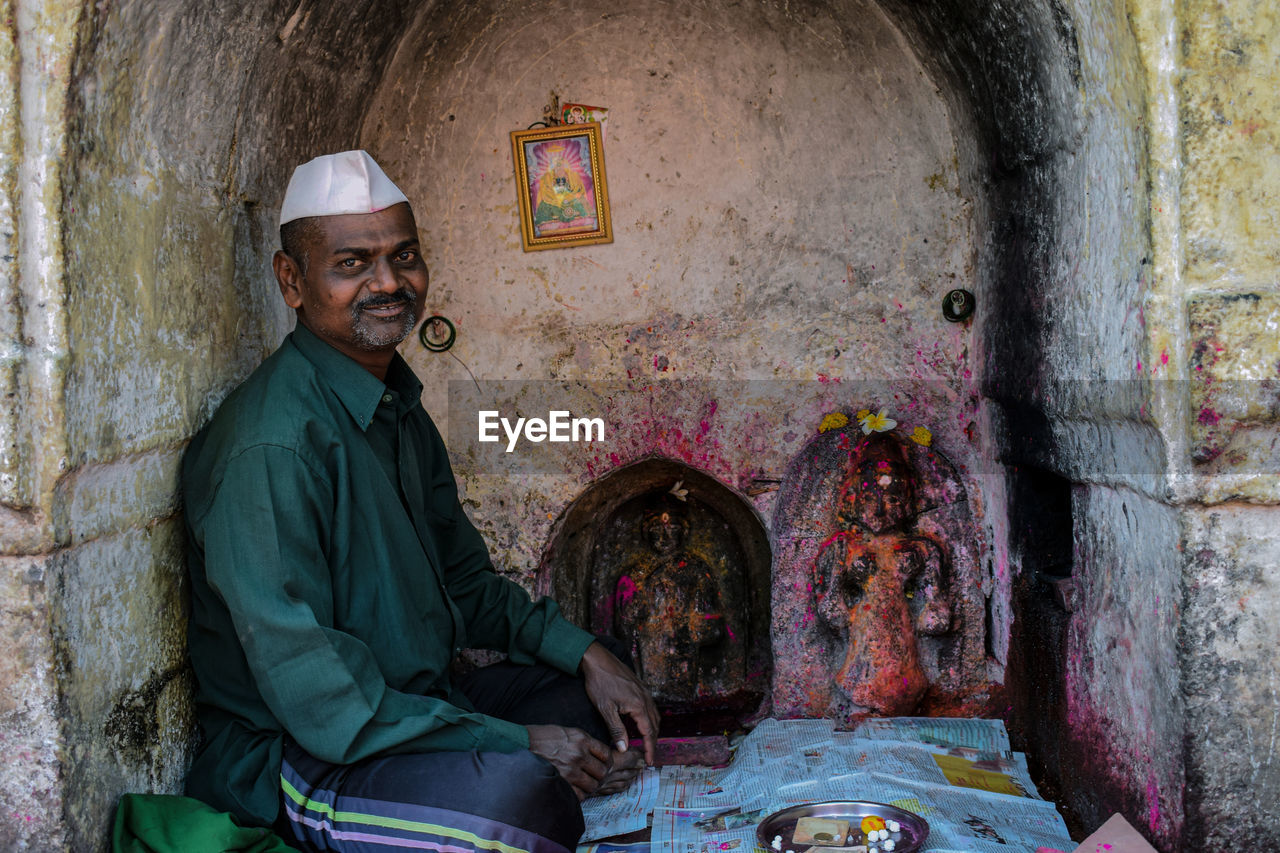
(582, 760)
(616, 692)
(623, 770)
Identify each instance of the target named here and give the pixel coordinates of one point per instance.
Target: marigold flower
(834, 420)
(922, 436)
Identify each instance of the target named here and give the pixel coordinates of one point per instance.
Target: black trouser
(450, 801)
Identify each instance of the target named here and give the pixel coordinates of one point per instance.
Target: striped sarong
(450, 802)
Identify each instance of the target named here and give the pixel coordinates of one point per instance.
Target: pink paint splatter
(1208, 417)
(626, 591)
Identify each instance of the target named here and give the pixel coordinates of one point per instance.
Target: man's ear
(289, 277)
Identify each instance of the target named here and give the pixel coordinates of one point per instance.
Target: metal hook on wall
(437, 333)
(958, 305)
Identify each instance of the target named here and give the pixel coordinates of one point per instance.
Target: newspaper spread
(985, 735)
(624, 812)
(705, 832)
(960, 775)
(683, 786)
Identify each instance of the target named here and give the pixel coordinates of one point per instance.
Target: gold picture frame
(560, 181)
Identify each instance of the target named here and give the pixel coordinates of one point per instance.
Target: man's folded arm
(263, 553)
(498, 612)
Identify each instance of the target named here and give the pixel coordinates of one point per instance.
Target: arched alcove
(599, 545)
(795, 189)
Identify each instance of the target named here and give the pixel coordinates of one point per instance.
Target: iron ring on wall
(435, 341)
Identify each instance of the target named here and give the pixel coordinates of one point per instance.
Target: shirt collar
(359, 390)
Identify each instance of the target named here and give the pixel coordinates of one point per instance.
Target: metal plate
(911, 838)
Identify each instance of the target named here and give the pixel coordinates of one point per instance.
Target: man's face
(365, 282)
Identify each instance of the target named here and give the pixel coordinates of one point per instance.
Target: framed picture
(564, 199)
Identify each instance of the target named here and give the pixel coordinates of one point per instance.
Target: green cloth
(334, 577)
(160, 823)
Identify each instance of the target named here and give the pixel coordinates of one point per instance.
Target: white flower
(880, 422)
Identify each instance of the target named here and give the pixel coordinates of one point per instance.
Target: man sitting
(335, 577)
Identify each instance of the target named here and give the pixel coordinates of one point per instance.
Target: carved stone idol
(668, 606)
(881, 584)
(675, 566)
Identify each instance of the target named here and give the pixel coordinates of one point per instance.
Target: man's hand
(582, 760)
(623, 770)
(615, 691)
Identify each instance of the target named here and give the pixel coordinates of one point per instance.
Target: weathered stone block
(1235, 393)
(1231, 676)
(127, 718)
(1229, 102)
(1124, 709)
(31, 764)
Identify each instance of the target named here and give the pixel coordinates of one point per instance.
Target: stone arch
(600, 528)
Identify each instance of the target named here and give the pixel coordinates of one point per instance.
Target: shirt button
(386, 398)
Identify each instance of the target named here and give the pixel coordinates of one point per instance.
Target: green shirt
(334, 577)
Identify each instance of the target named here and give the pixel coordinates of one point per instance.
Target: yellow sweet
(872, 823)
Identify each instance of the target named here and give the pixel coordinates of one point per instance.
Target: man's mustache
(403, 295)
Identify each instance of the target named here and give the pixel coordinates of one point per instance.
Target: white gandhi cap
(334, 184)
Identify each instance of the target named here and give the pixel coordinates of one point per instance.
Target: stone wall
(1101, 174)
(1229, 355)
(154, 138)
(788, 216)
(36, 48)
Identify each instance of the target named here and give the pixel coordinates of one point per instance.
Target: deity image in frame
(563, 195)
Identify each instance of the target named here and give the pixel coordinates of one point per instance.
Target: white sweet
(776, 843)
(894, 826)
(889, 845)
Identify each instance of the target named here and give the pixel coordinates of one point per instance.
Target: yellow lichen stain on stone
(1230, 98)
(1236, 338)
(1235, 365)
(139, 308)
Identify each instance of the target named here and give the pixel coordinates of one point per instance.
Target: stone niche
(877, 607)
(676, 566)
